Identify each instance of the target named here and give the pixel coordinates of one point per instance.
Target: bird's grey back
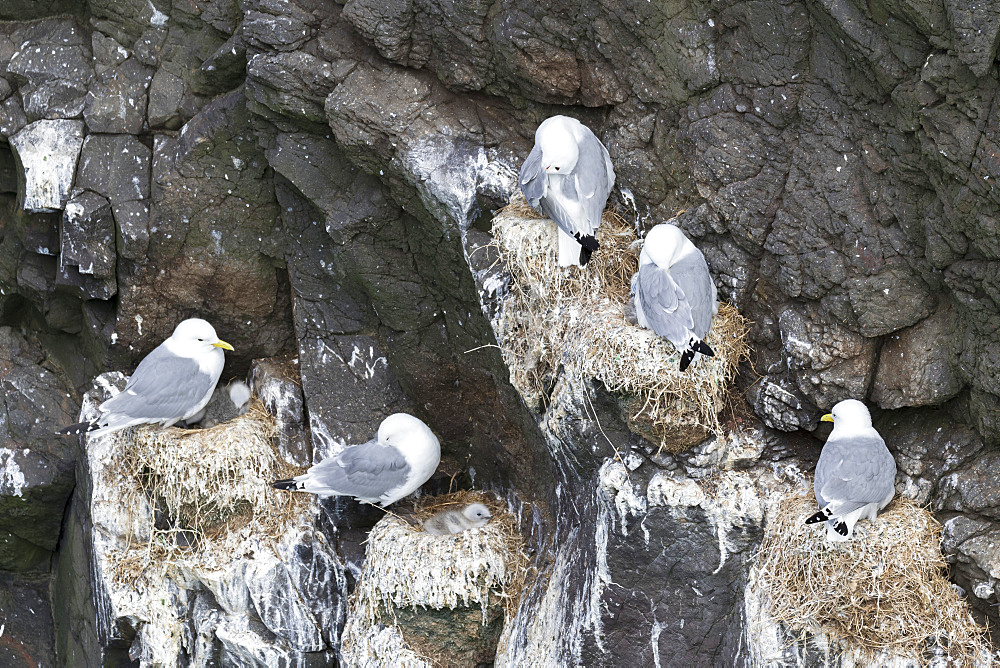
(856, 468)
(594, 176)
(664, 305)
(163, 387)
(363, 471)
(532, 177)
(690, 272)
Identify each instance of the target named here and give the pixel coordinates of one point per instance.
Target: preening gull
(568, 177)
(855, 474)
(400, 459)
(172, 383)
(673, 292)
(456, 521)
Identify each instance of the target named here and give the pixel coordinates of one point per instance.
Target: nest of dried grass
(885, 591)
(406, 567)
(206, 484)
(575, 318)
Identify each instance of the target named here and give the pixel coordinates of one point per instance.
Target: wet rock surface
(317, 180)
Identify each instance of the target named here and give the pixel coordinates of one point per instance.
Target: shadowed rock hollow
(318, 181)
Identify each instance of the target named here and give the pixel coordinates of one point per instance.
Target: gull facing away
(172, 383)
(395, 463)
(453, 521)
(673, 292)
(568, 177)
(855, 474)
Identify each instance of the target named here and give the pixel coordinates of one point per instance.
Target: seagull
(673, 293)
(453, 521)
(172, 383)
(400, 459)
(855, 474)
(568, 176)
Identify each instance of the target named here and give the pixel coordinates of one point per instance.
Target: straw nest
(575, 318)
(406, 568)
(194, 488)
(885, 591)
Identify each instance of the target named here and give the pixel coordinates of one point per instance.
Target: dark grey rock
(918, 366)
(12, 117)
(973, 546)
(116, 167)
(294, 85)
(116, 102)
(36, 468)
(87, 236)
(198, 261)
(166, 92)
(53, 67)
(8, 171)
(830, 362)
(226, 68)
(268, 24)
(456, 163)
(132, 220)
(28, 638)
(277, 384)
(976, 29)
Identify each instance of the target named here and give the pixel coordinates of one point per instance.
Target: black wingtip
(287, 483)
(686, 357)
(588, 241)
(78, 428)
(840, 528)
(817, 517)
(703, 348)
(585, 254)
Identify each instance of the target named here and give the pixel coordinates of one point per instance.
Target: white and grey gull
(402, 457)
(855, 475)
(673, 291)
(568, 176)
(172, 383)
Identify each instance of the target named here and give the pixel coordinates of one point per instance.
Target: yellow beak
(222, 344)
(826, 418)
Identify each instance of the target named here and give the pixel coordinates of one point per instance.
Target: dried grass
(886, 590)
(406, 567)
(575, 318)
(212, 486)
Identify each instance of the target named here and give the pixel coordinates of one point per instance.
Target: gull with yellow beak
(172, 383)
(855, 474)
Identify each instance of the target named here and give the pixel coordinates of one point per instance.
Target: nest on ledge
(558, 316)
(885, 591)
(410, 574)
(194, 491)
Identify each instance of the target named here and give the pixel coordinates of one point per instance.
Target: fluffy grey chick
(447, 522)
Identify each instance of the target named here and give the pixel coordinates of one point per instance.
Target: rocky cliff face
(317, 180)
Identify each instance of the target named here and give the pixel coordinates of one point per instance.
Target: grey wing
(664, 304)
(532, 177)
(363, 471)
(692, 275)
(594, 179)
(858, 470)
(163, 387)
